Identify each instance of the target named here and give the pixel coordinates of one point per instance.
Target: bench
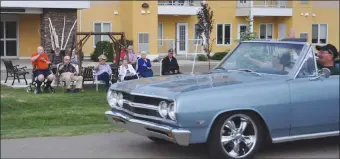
(15, 71)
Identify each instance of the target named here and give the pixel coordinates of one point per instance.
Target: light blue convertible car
(261, 91)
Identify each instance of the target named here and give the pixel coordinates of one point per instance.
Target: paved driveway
(127, 145)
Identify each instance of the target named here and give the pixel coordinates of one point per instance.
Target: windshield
(271, 58)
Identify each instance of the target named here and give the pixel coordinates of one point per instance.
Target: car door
(315, 103)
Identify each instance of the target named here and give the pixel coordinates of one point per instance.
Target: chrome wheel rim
(238, 136)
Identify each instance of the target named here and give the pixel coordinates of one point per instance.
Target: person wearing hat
(103, 71)
(144, 66)
(169, 64)
(326, 58)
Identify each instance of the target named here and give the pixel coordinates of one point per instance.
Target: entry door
(282, 31)
(182, 38)
(9, 39)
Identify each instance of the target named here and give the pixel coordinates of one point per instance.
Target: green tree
(204, 28)
(248, 35)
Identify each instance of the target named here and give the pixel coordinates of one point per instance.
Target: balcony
(178, 7)
(264, 8)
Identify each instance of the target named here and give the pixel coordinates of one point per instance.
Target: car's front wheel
(235, 135)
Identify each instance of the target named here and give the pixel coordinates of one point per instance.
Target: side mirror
(324, 72)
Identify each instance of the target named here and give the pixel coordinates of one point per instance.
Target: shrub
(219, 55)
(108, 48)
(202, 57)
(103, 47)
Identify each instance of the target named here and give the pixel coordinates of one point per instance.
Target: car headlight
(163, 109)
(120, 99)
(172, 111)
(111, 98)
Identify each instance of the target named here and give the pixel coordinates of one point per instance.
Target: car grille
(141, 106)
(141, 99)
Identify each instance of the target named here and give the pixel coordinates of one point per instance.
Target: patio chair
(88, 74)
(15, 71)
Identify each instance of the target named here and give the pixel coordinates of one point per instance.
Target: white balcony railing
(165, 44)
(180, 3)
(192, 44)
(265, 4)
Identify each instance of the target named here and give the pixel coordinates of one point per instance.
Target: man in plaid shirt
(69, 73)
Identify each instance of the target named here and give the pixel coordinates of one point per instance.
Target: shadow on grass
(29, 115)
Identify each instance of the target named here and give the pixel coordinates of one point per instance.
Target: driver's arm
(256, 62)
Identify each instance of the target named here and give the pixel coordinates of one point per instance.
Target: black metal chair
(87, 74)
(15, 71)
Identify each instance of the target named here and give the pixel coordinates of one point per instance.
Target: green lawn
(28, 115)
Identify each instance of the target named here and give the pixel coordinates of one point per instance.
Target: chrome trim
(140, 105)
(302, 62)
(148, 95)
(305, 136)
(180, 136)
(139, 115)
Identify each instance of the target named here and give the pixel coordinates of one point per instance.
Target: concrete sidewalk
(28, 64)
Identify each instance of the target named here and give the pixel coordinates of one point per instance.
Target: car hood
(170, 86)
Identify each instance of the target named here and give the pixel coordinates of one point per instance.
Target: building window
(304, 1)
(223, 34)
(9, 38)
(266, 31)
(319, 33)
(243, 1)
(101, 27)
(143, 42)
(160, 34)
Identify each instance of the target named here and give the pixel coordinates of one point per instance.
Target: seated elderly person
(56, 59)
(69, 73)
(169, 64)
(74, 57)
(41, 63)
(127, 72)
(103, 71)
(144, 66)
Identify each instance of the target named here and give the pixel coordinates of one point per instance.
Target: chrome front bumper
(149, 129)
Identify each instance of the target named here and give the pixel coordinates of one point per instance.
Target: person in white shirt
(127, 72)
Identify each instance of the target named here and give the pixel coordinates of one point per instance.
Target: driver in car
(327, 55)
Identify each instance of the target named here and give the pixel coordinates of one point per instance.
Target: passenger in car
(327, 55)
